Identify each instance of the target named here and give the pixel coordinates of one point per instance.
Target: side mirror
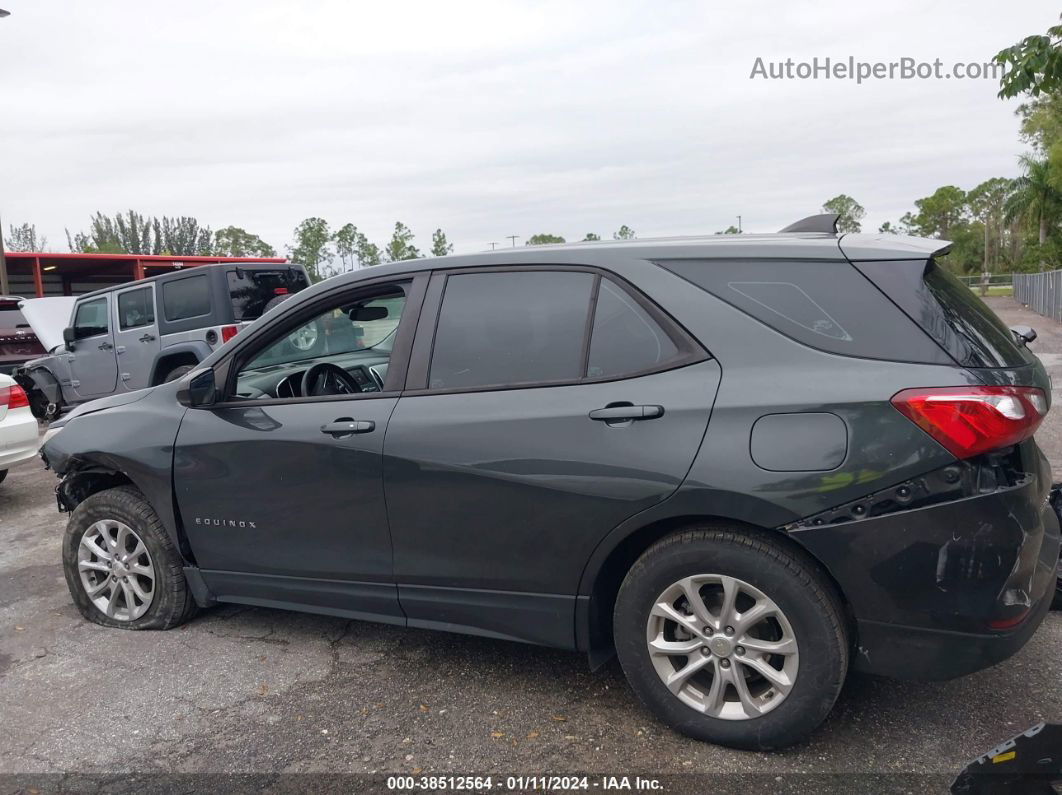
(69, 337)
(197, 389)
(1025, 333)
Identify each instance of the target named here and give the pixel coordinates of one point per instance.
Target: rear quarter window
(185, 298)
(824, 304)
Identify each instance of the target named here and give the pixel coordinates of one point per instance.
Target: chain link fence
(1041, 292)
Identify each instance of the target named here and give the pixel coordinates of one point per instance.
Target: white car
(18, 426)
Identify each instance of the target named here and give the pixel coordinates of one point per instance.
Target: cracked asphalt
(255, 690)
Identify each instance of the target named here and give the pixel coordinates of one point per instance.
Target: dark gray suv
(743, 464)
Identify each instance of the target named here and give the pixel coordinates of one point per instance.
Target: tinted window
(825, 304)
(186, 298)
(91, 318)
(986, 339)
(251, 289)
(510, 328)
(625, 338)
(136, 308)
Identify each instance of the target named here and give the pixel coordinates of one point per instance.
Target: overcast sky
(489, 118)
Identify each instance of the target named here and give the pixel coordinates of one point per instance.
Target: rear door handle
(345, 426)
(105, 346)
(148, 338)
(626, 412)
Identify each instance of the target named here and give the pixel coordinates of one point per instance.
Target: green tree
(940, 213)
(1035, 197)
(311, 247)
(543, 239)
(986, 203)
(850, 211)
(1035, 65)
(590, 236)
(368, 254)
(440, 246)
(346, 240)
(25, 238)
(232, 241)
(400, 247)
(182, 236)
(730, 230)
(623, 233)
(887, 229)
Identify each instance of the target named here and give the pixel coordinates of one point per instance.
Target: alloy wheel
(722, 646)
(304, 338)
(116, 570)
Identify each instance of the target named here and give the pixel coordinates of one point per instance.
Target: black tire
(3, 474)
(172, 603)
(177, 372)
(796, 585)
(1056, 604)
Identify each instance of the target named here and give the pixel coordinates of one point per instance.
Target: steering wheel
(325, 378)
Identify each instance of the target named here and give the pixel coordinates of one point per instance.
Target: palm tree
(1034, 195)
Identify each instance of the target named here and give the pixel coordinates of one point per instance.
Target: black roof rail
(826, 222)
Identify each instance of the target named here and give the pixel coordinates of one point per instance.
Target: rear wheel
(1057, 603)
(121, 567)
(731, 638)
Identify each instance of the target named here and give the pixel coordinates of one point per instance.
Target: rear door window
(520, 327)
(252, 289)
(625, 339)
(136, 308)
(185, 298)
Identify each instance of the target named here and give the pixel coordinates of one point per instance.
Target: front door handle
(148, 338)
(625, 412)
(345, 426)
(105, 346)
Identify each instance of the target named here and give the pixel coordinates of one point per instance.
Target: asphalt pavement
(241, 690)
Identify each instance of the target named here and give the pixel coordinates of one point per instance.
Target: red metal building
(41, 274)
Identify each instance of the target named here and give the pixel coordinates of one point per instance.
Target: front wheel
(732, 638)
(178, 372)
(121, 566)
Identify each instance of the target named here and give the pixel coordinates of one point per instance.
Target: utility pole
(493, 245)
(739, 223)
(5, 286)
(512, 238)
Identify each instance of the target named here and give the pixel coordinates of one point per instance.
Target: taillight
(228, 332)
(969, 420)
(14, 397)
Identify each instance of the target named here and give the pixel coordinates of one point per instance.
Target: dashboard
(285, 380)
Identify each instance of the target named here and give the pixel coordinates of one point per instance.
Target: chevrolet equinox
(744, 465)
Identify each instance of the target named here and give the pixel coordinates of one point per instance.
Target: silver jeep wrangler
(139, 334)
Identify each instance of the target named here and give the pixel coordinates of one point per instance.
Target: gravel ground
(253, 690)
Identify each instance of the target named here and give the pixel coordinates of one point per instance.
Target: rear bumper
(18, 437)
(903, 652)
(949, 589)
